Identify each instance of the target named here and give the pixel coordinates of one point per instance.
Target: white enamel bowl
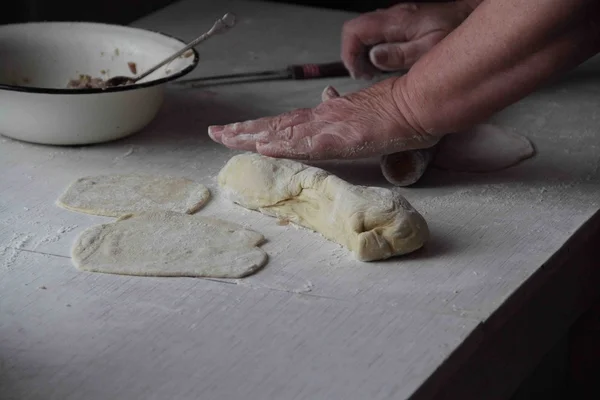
(37, 60)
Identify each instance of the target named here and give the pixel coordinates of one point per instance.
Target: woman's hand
(366, 123)
(395, 38)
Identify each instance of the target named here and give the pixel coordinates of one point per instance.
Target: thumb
(397, 56)
(329, 93)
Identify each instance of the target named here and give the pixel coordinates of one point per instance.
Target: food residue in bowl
(86, 82)
(132, 67)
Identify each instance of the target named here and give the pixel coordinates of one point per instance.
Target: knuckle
(350, 25)
(308, 143)
(273, 124)
(347, 34)
(332, 145)
(356, 26)
(286, 134)
(301, 115)
(278, 122)
(397, 56)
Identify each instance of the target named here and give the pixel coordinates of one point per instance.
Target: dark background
(126, 11)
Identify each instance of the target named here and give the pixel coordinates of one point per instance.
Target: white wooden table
(508, 268)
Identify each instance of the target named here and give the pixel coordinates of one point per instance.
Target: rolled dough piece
(484, 148)
(374, 223)
(166, 243)
(116, 195)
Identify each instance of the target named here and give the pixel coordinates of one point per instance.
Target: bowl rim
(156, 82)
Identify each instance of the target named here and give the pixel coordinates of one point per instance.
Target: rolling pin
(400, 169)
(406, 167)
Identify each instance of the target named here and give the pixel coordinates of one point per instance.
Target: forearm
(501, 53)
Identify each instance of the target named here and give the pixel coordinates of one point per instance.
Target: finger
(295, 142)
(311, 141)
(398, 56)
(284, 150)
(329, 93)
(249, 141)
(318, 147)
(276, 123)
(357, 36)
(243, 141)
(214, 132)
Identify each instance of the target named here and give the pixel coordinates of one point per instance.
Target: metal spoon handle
(221, 25)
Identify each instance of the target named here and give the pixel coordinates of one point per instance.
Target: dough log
(374, 223)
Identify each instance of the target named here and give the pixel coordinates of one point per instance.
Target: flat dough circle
(165, 243)
(484, 148)
(117, 195)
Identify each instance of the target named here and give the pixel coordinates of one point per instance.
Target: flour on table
(116, 195)
(374, 223)
(484, 148)
(166, 243)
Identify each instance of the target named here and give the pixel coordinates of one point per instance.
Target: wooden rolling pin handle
(407, 167)
(314, 71)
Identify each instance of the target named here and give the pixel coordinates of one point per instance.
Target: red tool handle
(315, 71)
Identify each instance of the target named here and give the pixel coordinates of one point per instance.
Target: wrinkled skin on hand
(359, 125)
(395, 38)
(370, 122)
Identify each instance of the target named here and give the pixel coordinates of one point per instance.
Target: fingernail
(215, 129)
(229, 141)
(380, 56)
